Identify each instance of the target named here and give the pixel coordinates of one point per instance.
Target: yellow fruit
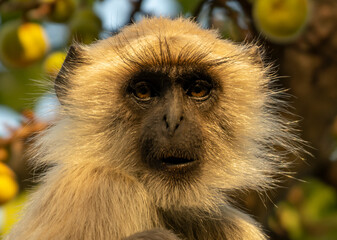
(22, 44)
(8, 186)
(5, 170)
(280, 20)
(62, 10)
(53, 63)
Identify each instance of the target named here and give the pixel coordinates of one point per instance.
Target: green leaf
(188, 6)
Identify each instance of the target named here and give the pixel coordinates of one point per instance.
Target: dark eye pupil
(197, 89)
(143, 90)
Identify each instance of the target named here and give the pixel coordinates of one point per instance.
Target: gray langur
(159, 127)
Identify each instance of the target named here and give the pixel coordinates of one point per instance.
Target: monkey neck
(191, 223)
(225, 222)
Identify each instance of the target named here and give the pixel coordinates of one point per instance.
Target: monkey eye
(199, 90)
(143, 91)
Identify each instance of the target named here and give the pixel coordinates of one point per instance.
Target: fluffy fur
(97, 187)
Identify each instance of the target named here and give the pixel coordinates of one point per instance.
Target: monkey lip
(176, 162)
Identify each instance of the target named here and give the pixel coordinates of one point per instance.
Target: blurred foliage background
(299, 37)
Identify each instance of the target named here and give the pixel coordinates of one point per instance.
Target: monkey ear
(73, 59)
(255, 55)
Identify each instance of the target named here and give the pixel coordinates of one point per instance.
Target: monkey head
(174, 107)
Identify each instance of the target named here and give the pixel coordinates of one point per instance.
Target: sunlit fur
(97, 187)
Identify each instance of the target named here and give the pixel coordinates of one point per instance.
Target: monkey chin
(182, 177)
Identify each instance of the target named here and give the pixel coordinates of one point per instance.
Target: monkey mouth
(177, 162)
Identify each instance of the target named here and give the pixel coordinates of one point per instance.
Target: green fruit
(290, 220)
(85, 26)
(62, 10)
(281, 20)
(22, 44)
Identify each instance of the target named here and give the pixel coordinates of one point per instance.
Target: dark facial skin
(171, 138)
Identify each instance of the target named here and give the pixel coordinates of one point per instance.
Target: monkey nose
(172, 123)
